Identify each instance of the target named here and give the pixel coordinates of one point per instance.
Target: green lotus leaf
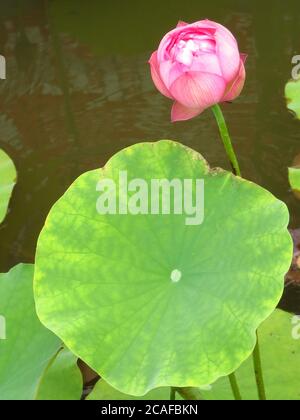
(8, 175)
(280, 353)
(26, 346)
(294, 178)
(62, 380)
(147, 300)
(292, 94)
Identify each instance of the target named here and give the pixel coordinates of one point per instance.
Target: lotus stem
(235, 387)
(226, 139)
(258, 372)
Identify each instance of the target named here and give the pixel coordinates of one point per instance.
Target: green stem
(258, 372)
(172, 394)
(235, 387)
(226, 139)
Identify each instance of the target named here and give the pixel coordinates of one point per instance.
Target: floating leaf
(292, 94)
(26, 346)
(148, 301)
(62, 380)
(8, 176)
(294, 178)
(280, 353)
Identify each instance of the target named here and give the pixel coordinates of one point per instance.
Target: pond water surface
(78, 90)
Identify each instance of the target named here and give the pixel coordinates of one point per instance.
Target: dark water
(78, 90)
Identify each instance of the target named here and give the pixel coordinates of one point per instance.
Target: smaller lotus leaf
(294, 178)
(62, 380)
(8, 175)
(292, 94)
(26, 346)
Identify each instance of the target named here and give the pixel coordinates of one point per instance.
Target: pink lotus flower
(198, 65)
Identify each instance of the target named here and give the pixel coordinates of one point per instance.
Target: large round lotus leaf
(280, 353)
(147, 300)
(292, 94)
(26, 346)
(8, 176)
(62, 380)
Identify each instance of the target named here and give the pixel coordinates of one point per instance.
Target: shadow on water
(78, 90)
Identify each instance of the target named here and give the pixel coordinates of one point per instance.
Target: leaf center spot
(176, 276)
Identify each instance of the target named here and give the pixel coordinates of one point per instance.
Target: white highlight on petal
(176, 276)
(185, 56)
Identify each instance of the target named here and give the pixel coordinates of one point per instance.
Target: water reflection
(78, 90)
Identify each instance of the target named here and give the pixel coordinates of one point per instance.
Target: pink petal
(198, 89)
(229, 60)
(182, 113)
(169, 72)
(227, 50)
(237, 86)
(207, 63)
(205, 26)
(156, 76)
(181, 23)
